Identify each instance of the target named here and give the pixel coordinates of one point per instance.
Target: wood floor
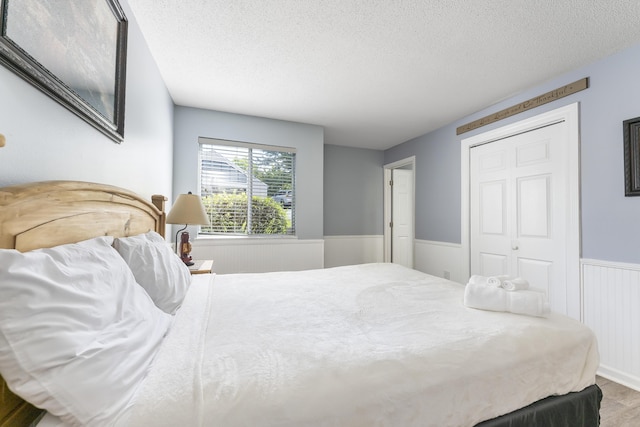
(620, 405)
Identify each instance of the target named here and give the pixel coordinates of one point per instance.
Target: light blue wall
(45, 141)
(191, 123)
(353, 191)
(610, 228)
(437, 192)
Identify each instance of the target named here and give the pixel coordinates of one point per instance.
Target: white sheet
(368, 345)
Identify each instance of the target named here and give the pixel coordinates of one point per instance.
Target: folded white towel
(531, 303)
(517, 284)
(496, 280)
(485, 297)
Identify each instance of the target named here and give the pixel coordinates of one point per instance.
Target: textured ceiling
(373, 73)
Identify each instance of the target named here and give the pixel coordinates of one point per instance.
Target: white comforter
(367, 345)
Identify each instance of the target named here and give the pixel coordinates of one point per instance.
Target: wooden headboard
(51, 213)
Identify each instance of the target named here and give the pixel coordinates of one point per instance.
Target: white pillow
(156, 268)
(77, 334)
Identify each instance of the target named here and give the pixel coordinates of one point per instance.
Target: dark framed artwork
(74, 51)
(631, 157)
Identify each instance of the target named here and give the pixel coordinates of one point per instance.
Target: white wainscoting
(350, 250)
(247, 255)
(611, 308)
(431, 257)
(440, 258)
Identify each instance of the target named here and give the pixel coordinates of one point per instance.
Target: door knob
(515, 245)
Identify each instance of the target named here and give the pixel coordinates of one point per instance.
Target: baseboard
(619, 377)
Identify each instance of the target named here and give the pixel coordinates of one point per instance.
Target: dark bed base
(579, 409)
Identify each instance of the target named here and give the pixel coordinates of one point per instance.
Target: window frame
(291, 231)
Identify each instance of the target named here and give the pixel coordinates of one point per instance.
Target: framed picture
(632, 157)
(74, 51)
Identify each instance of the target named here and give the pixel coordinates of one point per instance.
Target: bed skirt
(578, 409)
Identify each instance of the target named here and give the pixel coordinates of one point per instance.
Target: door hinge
(391, 224)
(391, 183)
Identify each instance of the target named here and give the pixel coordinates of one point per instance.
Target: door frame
(388, 217)
(570, 115)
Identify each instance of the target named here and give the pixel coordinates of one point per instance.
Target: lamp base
(185, 249)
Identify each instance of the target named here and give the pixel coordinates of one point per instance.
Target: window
(247, 188)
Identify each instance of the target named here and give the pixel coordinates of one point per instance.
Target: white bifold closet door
(518, 209)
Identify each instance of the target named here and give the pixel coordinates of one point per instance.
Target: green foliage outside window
(228, 214)
(274, 169)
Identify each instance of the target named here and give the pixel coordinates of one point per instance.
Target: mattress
(366, 345)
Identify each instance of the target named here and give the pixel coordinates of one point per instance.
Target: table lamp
(188, 210)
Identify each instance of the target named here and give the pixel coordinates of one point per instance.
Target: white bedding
(367, 345)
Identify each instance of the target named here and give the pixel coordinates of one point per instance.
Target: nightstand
(201, 266)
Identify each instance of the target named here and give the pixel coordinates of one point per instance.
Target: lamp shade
(188, 209)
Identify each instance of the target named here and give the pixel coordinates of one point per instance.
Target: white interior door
(402, 217)
(518, 210)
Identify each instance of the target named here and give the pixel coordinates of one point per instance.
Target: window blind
(247, 188)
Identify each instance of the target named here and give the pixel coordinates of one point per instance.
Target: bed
(365, 345)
